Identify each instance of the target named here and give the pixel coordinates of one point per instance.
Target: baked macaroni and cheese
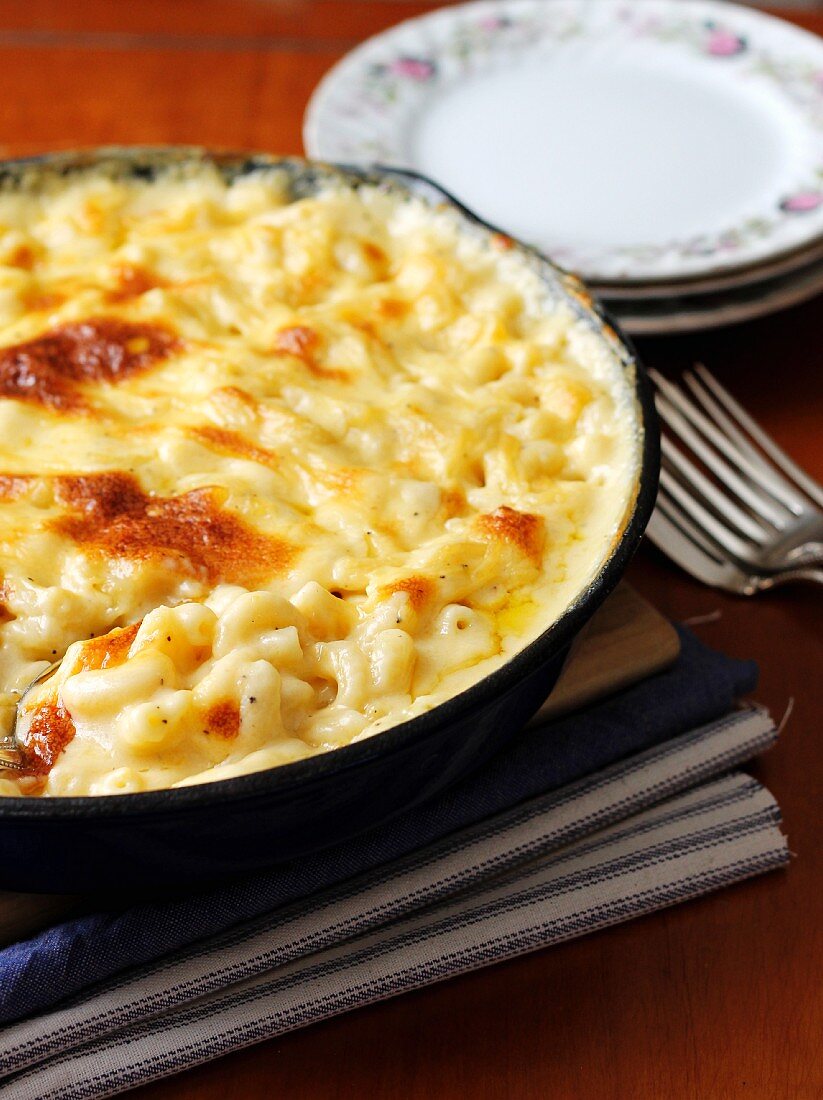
(277, 474)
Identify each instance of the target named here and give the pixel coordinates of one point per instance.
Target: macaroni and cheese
(277, 474)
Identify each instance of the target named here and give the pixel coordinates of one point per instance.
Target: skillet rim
(294, 777)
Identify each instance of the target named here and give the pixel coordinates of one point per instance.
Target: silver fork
(748, 518)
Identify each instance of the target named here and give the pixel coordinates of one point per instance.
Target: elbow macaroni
(292, 472)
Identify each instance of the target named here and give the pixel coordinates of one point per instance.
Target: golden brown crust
(240, 395)
(453, 501)
(47, 370)
(419, 590)
(37, 300)
(393, 309)
(107, 651)
(23, 257)
(234, 444)
(223, 720)
(520, 529)
(110, 514)
(303, 343)
(374, 253)
(14, 486)
(47, 735)
(132, 282)
(5, 614)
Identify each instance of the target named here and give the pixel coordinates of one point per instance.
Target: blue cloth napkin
(703, 685)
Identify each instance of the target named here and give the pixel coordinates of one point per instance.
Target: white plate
(651, 139)
(697, 312)
(718, 283)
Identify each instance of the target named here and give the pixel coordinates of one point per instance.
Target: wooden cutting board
(626, 641)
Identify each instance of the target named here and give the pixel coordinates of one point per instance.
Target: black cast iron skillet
(173, 838)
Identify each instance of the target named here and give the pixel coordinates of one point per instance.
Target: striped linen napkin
(659, 827)
(65, 960)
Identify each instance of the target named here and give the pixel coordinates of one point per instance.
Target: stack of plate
(669, 151)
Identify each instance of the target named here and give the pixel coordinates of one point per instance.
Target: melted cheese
(276, 475)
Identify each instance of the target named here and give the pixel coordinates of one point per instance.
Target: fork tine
(710, 526)
(674, 542)
(693, 379)
(672, 413)
(764, 491)
(765, 473)
(720, 501)
(669, 506)
(808, 485)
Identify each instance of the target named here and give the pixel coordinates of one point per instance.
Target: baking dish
(190, 834)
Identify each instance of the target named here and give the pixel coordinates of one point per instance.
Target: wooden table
(714, 999)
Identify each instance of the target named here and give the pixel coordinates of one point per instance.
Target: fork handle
(814, 576)
(808, 554)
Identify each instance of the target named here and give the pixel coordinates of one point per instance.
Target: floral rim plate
(667, 139)
(697, 312)
(719, 282)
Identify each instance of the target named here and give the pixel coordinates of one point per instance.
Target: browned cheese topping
(50, 369)
(45, 738)
(111, 515)
(526, 532)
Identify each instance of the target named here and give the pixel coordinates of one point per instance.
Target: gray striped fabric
(651, 831)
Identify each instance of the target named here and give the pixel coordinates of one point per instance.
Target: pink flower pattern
(723, 43)
(802, 202)
(494, 23)
(413, 68)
